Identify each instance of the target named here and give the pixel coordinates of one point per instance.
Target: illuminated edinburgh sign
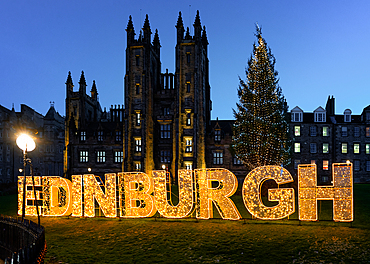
(136, 194)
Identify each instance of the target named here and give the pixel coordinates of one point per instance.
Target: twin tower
(165, 118)
(167, 114)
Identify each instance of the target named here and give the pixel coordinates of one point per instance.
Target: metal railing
(21, 242)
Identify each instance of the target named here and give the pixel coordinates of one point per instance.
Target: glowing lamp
(25, 143)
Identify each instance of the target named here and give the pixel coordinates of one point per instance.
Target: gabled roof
(320, 109)
(225, 125)
(296, 109)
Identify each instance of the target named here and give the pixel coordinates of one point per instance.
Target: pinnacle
(130, 25)
(197, 20)
(82, 79)
(179, 24)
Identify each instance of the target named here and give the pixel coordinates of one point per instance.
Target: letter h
(341, 192)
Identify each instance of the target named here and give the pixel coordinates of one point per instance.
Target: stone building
(167, 114)
(93, 138)
(48, 133)
(323, 137)
(166, 123)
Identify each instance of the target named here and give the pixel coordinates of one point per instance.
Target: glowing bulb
(25, 143)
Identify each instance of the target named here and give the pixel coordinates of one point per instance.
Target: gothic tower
(192, 95)
(141, 80)
(80, 110)
(167, 114)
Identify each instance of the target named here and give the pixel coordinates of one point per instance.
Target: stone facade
(324, 138)
(167, 114)
(94, 138)
(48, 133)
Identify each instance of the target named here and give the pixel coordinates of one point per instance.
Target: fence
(21, 242)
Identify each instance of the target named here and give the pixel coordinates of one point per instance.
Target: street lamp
(27, 144)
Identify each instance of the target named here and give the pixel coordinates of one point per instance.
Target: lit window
(297, 131)
(165, 131)
(356, 132)
(356, 165)
(325, 148)
(118, 156)
(217, 135)
(367, 131)
(188, 120)
(297, 147)
(325, 164)
(218, 158)
(137, 165)
(367, 148)
(138, 120)
(189, 145)
(100, 156)
(100, 135)
(313, 131)
(325, 131)
(356, 148)
(313, 148)
(344, 131)
(83, 135)
(344, 148)
(84, 156)
(188, 165)
(138, 145)
(368, 165)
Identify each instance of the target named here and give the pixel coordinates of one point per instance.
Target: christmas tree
(260, 132)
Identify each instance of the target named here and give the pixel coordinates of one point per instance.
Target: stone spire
(82, 83)
(94, 91)
(187, 35)
(156, 43)
(180, 28)
(69, 83)
(204, 37)
(197, 26)
(130, 31)
(146, 29)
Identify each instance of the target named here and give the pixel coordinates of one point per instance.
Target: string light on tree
(261, 129)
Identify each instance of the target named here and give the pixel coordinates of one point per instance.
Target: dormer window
(320, 114)
(347, 115)
(296, 114)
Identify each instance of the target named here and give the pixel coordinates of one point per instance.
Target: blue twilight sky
(322, 48)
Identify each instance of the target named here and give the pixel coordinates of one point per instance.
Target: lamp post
(27, 144)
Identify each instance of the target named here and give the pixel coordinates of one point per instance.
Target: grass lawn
(160, 240)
